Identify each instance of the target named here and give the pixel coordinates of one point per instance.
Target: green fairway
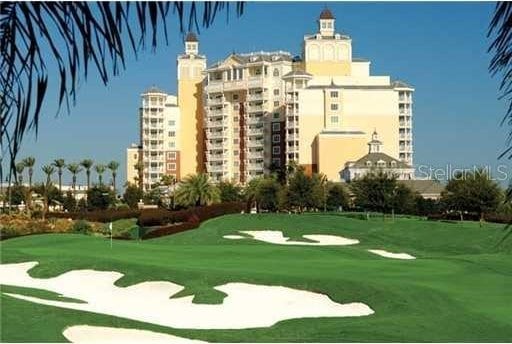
(459, 288)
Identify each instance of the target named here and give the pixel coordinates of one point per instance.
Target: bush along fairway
(457, 288)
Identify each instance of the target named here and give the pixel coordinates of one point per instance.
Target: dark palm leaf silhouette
(77, 38)
(500, 30)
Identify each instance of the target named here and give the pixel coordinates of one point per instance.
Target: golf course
(440, 281)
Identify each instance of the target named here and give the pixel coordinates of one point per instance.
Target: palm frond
(77, 38)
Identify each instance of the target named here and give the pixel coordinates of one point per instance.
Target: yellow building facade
(253, 113)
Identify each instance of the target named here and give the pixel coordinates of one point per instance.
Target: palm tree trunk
(114, 182)
(88, 180)
(60, 180)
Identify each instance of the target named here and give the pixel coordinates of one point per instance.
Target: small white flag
(110, 226)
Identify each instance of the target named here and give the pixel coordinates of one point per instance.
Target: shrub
(179, 221)
(99, 215)
(81, 226)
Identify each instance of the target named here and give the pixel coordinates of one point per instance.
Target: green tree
(139, 166)
(473, 192)
(113, 166)
(44, 188)
(169, 181)
(100, 169)
(18, 193)
(59, 164)
(69, 201)
(229, 192)
(132, 195)
(20, 167)
(100, 197)
(250, 192)
(337, 196)
(374, 191)
(29, 163)
(74, 169)
(404, 200)
(87, 165)
(197, 190)
(267, 194)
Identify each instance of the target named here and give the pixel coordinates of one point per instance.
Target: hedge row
(491, 217)
(183, 220)
(99, 215)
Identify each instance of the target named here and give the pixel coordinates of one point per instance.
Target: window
(236, 107)
(135, 156)
(276, 162)
(334, 107)
(276, 126)
(235, 96)
(334, 94)
(235, 119)
(393, 164)
(276, 115)
(276, 72)
(276, 103)
(334, 119)
(329, 25)
(172, 144)
(171, 155)
(172, 133)
(235, 153)
(172, 123)
(171, 166)
(276, 138)
(235, 141)
(276, 91)
(276, 150)
(369, 163)
(324, 25)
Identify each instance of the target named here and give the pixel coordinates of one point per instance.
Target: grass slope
(459, 288)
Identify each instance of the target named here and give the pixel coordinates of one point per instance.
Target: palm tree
(100, 169)
(87, 164)
(139, 166)
(60, 164)
(197, 190)
(113, 166)
(20, 167)
(78, 38)
(49, 170)
(29, 163)
(74, 169)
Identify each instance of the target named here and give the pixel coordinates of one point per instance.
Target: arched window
(276, 72)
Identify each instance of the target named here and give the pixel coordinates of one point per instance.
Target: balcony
(256, 154)
(255, 143)
(255, 120)
(215, 145)
(255, 167)
(292, 125)
(405, 136)
(216, 134)
(255, 82)
(217, 124)
(257, 96)
(215, 157)
(235, 85)
(255, 132)
(214, 86)
(216, 101)
(256, 108)
(217, 168)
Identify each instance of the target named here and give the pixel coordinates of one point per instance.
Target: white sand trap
(387, 254)
(100, 334)
(233, 237)
(150, 301)
(277, 237)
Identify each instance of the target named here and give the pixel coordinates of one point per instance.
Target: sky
(439, 48)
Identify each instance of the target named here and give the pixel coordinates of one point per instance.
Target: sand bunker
(150, 301)
(99, 334)
(387, 254)
(277, 237)
(233, 237)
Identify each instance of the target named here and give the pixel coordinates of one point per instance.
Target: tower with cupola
(191, 66)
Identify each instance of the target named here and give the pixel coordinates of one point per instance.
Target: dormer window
(369, 164)
(393, 164)
(276, 72)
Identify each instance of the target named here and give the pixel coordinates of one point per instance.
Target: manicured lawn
(459, 288)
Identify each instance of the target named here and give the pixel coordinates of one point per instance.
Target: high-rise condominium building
(251, 113)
